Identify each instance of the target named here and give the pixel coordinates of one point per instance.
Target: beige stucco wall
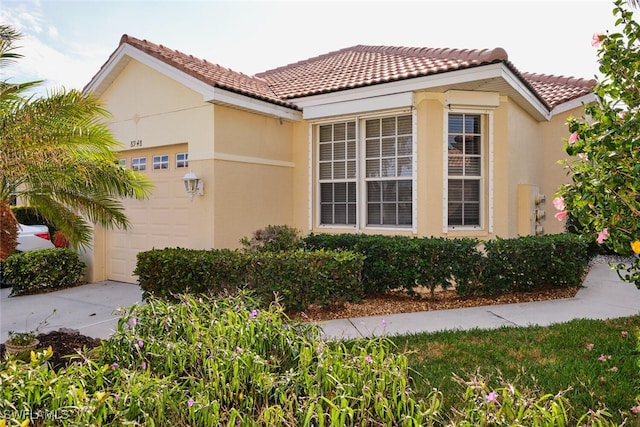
(253, 174)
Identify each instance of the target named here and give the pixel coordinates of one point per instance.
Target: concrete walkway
(92, 309)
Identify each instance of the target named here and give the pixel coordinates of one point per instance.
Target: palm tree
(58, 156)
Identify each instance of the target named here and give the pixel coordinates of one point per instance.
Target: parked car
(30, 238)
(33, 237)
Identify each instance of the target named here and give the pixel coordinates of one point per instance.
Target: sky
(66, 42)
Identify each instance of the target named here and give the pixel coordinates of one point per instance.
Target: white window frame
(361, 197)
(486, 171)
(160, 162)
(184, 162)
(139, 163)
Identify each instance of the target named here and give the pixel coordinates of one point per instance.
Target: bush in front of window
(297, 278)
(273, 238)
(48, 269)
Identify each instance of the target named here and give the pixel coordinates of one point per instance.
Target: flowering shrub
(603, 195)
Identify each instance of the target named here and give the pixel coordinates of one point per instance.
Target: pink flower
(238, 349)
(596, 40)
(573, 138)
(139, 344)
(561, 215)
(132, 322)
(492, 397)
(143, 365)
(603, 358)
(636, 409)
(589, 347)
(190, 403)
(625, 334)
(558, 203)
(384, 323)
(253, 314)
(368, 359)
(114, 365)
(602, 236)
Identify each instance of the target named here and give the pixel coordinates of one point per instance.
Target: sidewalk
(91, 309)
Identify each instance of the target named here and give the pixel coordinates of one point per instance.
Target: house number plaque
(136, 143)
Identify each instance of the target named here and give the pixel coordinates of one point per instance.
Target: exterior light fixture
(193, 185)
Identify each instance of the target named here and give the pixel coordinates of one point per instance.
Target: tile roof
(359, 66)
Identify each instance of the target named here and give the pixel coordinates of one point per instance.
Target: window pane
(471, 214)
(326, 133)
(404, 214)
(472, 166)
(351, 130)
(404, 146)
(351, 192)
(455, 213)
(405, 193)
(326, 214)
(326, 152)
(472, 190)
(326, 193)
(340, 214)
(339, 170)
(404, 125)
(472, 123)
(340, 192)
(404, 166)
(373, 168)
(455, 165)
(389, 126)
(351, 169)
(339, 151)
(373, 214)
(372, 128)
(455, 190)
(374, 192)
(472, 145)
(389, 215)
(325, 171)
(389, 191)
(373, 149)
(389, 167)
(455, 123)
(351, 213)
(351, 150)
(339, 132)
(388, 147)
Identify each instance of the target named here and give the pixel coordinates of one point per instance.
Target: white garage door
(158, 222)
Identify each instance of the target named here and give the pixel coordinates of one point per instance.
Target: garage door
(158, 222)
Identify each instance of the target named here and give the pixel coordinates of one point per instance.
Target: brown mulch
(443, 300)
(68, 342)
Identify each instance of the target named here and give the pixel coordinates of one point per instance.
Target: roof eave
(210, 93)
(521, 91)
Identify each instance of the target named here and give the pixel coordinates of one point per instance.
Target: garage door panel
(158, 222)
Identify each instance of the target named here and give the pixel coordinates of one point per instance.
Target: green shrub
(273, 238)
(299, 278)
(531, 262)
(47, 269)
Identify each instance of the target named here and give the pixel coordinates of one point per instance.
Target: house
(367, 139)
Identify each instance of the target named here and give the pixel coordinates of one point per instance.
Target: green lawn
(596, 361)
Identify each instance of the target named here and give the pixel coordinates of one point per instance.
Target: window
(337, 171)
(139, 163)
(182, 160)
(388, 163)
(383, 190)
(161, 162)
(464, 170)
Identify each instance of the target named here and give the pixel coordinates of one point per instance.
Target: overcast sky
(66, 42)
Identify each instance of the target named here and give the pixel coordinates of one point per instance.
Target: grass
(547, 359)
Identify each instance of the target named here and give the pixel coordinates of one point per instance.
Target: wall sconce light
(193, 185)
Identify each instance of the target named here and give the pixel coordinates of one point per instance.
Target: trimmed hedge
(47, 269)
(298, 278)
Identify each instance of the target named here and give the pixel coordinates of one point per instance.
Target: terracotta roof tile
(207, 72)
(367, 65)
(358, 66)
